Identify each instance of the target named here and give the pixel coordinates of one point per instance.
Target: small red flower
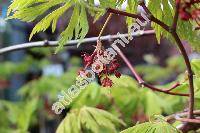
(117, 74)
(178, 1)
(88, 59)
(108, 69)
(196, 14)
(184, 15)
(113, 66)
(188, 10)
(106, 82)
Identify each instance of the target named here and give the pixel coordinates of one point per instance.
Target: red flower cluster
(188, 9)
(107, 69)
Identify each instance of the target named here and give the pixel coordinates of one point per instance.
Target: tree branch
(115, 11)
(174, 86)
(175, 21)
(190, 74)
(71, 43)
(197, 121)
(174, 117)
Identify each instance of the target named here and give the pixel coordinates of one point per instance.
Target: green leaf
(84, 26)
(155, 8)
(131, 8)
(67, 34)
(89, 119)
(30, 13)
(69, 124)
(196, 66)
(51, 18)
(152, 127)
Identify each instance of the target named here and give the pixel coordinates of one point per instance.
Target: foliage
(8, 68)
(42, 86)
(89, 119)
(164, 10)
(129, 99)
(33, 10)
(20, 116)
(125, 98)
(159, 126)
(30, 10)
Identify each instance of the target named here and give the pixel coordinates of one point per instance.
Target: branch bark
(182, 114)
(71, 43)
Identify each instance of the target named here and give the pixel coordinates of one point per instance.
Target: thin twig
(141, 81)
(175, 21)
(174, 87)
(197, 121)
(115, 11)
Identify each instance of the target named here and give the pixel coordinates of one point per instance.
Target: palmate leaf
(96, 119)
(155, 126)
(51, 18)
(20, 4)
(89, 119)
(149, 127)
(30, 13)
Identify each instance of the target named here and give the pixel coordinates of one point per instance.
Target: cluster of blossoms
(103, 69)
(103, 61)
(189, 10)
